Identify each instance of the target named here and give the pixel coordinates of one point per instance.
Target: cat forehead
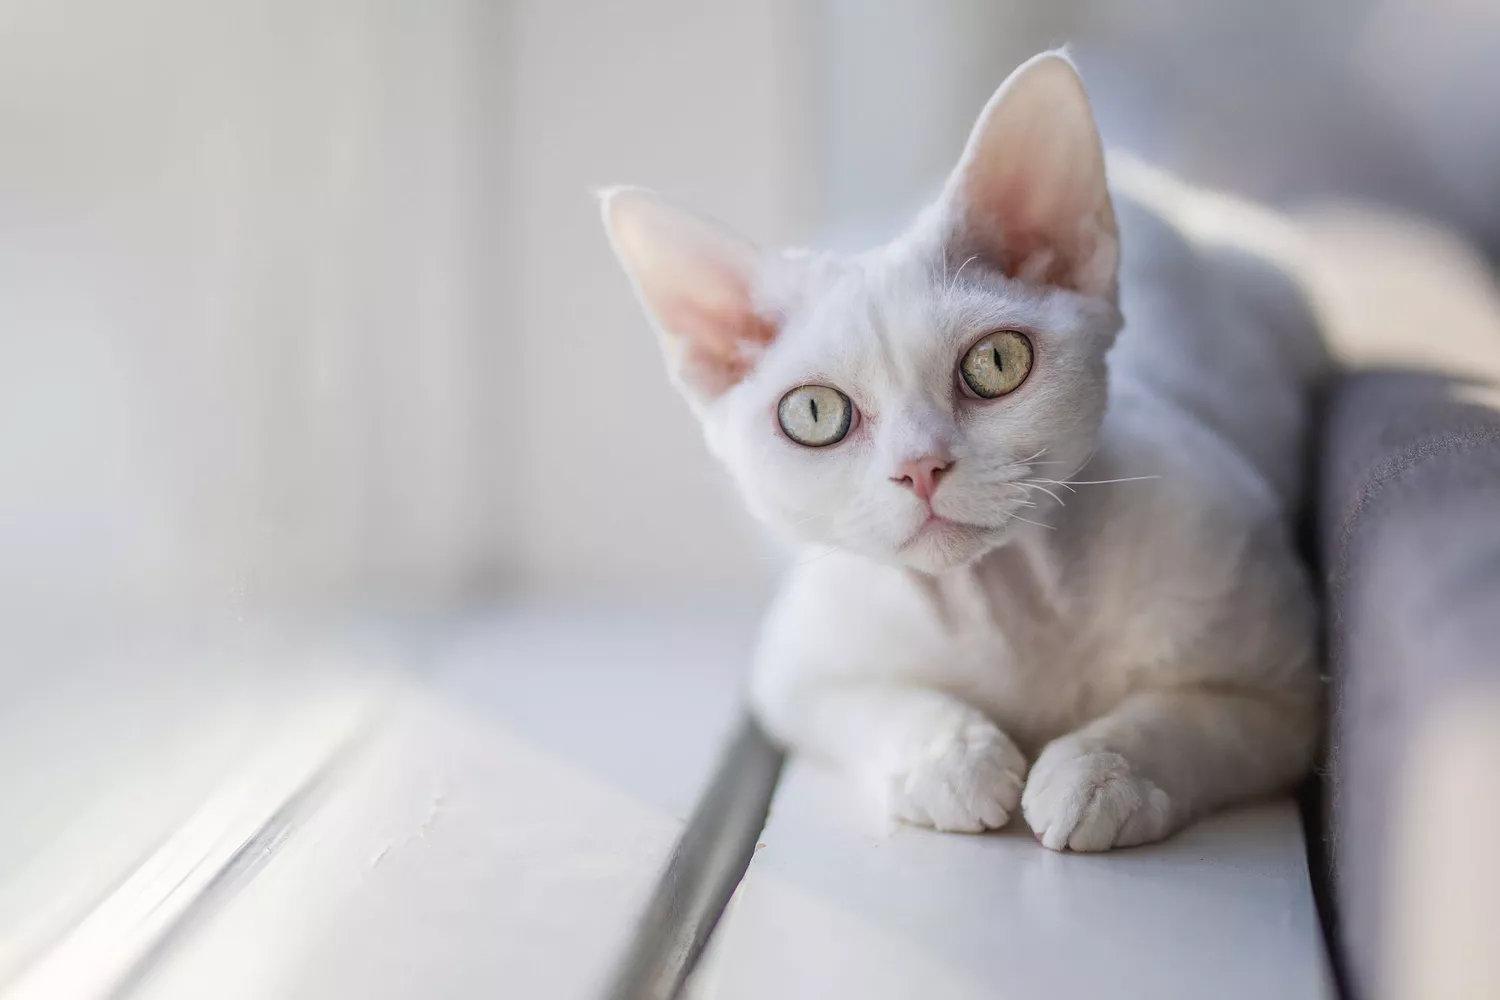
(899, 313)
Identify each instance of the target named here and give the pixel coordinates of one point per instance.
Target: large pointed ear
(698, 282)
(1029, 195)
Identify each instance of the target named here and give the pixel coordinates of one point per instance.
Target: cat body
(1049, 565)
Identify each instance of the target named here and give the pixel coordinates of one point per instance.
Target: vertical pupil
(812, 406)
(996, 352)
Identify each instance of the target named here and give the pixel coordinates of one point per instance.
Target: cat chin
(932, 557)
(938, 563)
(940, 554)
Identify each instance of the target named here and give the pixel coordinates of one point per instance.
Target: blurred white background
(305, 304)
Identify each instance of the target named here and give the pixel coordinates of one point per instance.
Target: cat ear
(697, 281)
(1029, 195)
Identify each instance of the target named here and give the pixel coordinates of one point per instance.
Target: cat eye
(996, 365)
(815, 415)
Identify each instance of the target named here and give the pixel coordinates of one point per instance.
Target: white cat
(1023, 545)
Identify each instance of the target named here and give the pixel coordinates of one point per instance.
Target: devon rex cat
(1026, 541)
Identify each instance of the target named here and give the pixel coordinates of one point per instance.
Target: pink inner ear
(699, 283)
(719, 342)
(1076, 254)
(1031, 186)
(1055, 259)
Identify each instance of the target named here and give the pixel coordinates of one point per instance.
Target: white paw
(1092, 801)
(967, 779)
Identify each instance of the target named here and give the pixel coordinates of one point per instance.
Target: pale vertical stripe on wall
(241, 343)
(899, 85)
(705, 101)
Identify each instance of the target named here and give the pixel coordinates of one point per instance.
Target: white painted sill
(835, 904)
(493, 822)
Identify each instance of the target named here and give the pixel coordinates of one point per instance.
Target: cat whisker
(1021, 465)
(1039, 524)
(1033, 484)
(1096, 482)
(953, 282)
(827, 551)
(1008, 467)
(1025, 490)
(1085, 463)
(1033, 456)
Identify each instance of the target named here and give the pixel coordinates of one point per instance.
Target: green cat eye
(996, 365)
(815, 415)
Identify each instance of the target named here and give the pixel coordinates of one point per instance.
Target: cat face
(892, 403)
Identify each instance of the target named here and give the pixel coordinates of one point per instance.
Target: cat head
(891, 403)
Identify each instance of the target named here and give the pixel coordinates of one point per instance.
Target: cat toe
(1092, 801)
(966, 781)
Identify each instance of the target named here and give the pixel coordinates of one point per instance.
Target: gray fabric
(1409, 531)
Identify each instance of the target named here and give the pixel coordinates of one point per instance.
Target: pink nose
(921, 475)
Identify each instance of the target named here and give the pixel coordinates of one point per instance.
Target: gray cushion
(1409, 532)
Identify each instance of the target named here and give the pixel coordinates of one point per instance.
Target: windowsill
(499, 831)
(504, 820)
(835, 905)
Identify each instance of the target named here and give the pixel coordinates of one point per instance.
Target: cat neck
(1019, 581)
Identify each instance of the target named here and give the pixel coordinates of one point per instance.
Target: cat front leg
(930, 759)
(1161, 759)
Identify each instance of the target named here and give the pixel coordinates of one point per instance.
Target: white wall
(306, 302)
(899, 85)
(235, 328)
(706, 101)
